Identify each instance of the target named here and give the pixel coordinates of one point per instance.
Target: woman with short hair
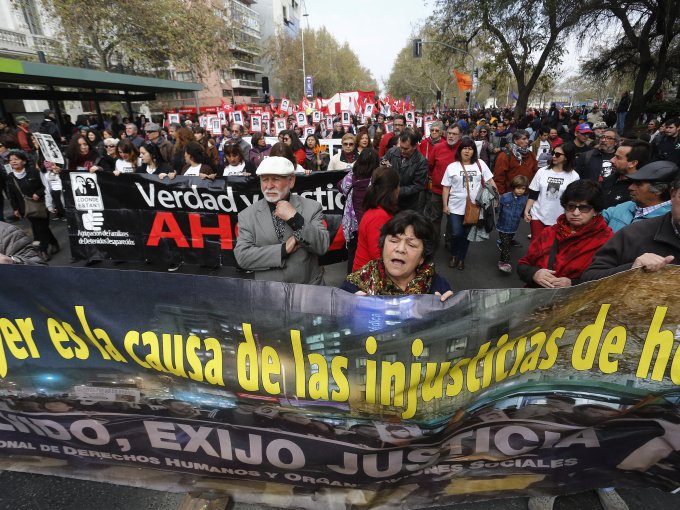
(346, 157)
(405, 264)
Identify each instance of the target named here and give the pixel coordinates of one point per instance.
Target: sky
(377, 30)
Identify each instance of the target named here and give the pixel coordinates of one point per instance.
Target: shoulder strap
(553, 255)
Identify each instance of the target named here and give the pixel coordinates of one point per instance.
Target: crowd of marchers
(597, 202)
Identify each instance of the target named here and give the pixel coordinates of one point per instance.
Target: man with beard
(389, 139)
(281, 236)
(596, 164)
(628, 157)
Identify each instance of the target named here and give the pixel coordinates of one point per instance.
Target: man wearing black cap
(649, 192)
(650, 244)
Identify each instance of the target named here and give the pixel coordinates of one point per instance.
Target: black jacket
(28, 186)
(412, 176)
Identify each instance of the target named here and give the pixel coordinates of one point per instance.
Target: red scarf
(575, 248)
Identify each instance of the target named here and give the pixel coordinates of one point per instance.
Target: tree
(527, 35)
(421, 78)
(646, 46)
(333, 67)
(138, 36)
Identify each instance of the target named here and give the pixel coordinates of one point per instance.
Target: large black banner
(140, 217)
(405, 400)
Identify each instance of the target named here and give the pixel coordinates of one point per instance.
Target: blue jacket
(623, 214)
(510, 212)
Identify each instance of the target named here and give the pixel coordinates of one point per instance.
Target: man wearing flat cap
(281, 236)
(650, 189)
(153, 133)
(650, 245)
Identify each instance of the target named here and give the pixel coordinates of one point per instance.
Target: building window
(30, 13)
(455, 345)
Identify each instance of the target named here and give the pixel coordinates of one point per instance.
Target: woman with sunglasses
(562, 252)
(344, 159)
(543, 207)
(290, 138)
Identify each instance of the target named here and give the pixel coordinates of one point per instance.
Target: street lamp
(302, 37)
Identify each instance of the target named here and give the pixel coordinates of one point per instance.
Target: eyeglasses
(558, 154)
(348, 144)
(605, 137)
(584, 208)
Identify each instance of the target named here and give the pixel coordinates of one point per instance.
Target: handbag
(33, 208)
(472, 209)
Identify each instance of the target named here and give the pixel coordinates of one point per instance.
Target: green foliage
(669, 108)
(525, 36)
(334, 67)
(142, 36)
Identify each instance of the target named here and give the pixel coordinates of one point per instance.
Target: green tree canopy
(334, 67)
(141, 36)
(525, 36)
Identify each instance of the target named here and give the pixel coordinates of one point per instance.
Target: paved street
(36, 492)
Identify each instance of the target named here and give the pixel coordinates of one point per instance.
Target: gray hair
(131, 125)
(520, 133)
(437, 124)
(616, 134)
(660, 188)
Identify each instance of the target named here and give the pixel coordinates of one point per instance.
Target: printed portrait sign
(222, 116)
(86, 193)
(216, 125)
(329, 123)
(301, 119)
(266, 116)
(283, 107)
(238, 118)
(368, 111)
(266, 125)
(279, 125)
(173, 118)
(389, 127)
(203, 121)
(49, 148)
(410, 117)
(255, 123)
(309, 130)
(316, 117)
(428, 124)
(419, 121)
(346, 118)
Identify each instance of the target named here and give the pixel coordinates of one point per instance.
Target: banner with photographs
(397, 401)
(140, 217)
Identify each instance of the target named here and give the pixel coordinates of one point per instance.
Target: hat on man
(656, 171)
(275, 165)
(48, 112)
(600, 125)
(188, 122)
(21, 119)
(584, 127)
(152, 126)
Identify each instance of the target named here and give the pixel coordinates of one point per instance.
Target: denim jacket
(510, 212)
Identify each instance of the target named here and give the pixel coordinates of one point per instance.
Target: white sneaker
(505, 267)
(610, 499)
(542, 502)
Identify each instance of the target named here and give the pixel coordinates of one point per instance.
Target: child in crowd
(510, 213)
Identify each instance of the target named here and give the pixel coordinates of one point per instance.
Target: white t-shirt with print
(124, 166)
(453, 177)
(550, 186)
(193, 171)
(234, 170)
(544, 154)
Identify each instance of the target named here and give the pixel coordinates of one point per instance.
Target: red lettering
(158, 232)
(223, 230)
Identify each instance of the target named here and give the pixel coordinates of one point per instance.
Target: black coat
(28, 186)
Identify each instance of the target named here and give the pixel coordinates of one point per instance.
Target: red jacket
(440, 157)
(368, 245)
(426, 146)
(382, 149)
(575, 249)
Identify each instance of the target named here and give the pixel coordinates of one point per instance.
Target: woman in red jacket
(562, 252)
(380, 204)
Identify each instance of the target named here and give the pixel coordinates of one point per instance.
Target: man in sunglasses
(650, 192)
(596, 164)
(649, 245)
